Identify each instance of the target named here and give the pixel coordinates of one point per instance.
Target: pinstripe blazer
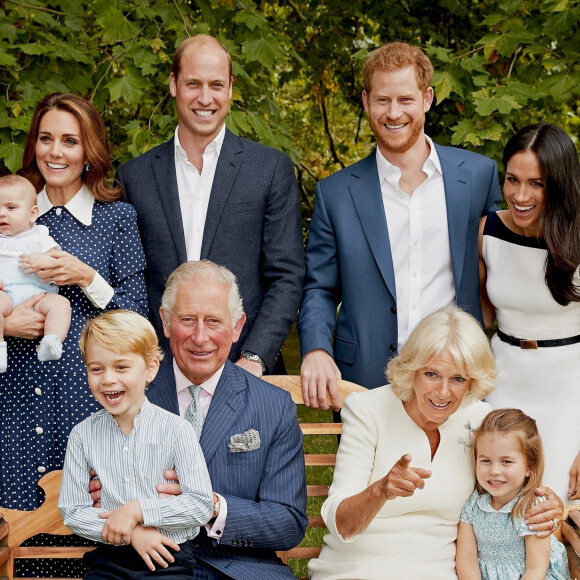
(265, 489)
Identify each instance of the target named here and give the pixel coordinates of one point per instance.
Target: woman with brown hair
(100, 267)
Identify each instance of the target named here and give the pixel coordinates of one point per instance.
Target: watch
(255, 357)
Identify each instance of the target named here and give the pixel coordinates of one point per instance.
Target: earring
(88, 166)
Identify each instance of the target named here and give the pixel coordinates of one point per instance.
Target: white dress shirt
(194, 190)
(99, 292)
(184, 398)
(419, 239)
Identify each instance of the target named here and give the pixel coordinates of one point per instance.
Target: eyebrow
(64, 134)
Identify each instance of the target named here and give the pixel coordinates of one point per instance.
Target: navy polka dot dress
(41, 402)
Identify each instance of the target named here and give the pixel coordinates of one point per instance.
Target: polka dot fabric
(41, 402)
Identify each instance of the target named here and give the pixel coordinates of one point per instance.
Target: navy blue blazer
(349, 262)
(252, 228)
(265, 489)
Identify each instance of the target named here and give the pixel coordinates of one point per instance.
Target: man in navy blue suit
(249, 430)
(209, 194)
(393, 237)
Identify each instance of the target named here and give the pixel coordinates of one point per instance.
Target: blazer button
(392, 348)
(394, 309)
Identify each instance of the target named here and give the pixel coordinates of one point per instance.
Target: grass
(312, 444)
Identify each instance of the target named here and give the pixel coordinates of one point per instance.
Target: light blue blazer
(349, 260)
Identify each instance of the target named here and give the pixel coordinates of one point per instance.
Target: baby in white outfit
(18, 235)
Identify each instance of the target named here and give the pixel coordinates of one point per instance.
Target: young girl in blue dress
(493, 542)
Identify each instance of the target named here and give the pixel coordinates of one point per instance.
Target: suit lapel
(228, 166)
(227, 403)
(457, 183)
(162, 391)
(166, 180)
(366, 195)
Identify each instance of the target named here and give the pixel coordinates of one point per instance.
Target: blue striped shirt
(129, 467)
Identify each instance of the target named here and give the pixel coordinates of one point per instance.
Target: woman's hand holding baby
(59, 267)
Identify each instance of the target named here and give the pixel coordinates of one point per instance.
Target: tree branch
(322, 101)
(39, 8)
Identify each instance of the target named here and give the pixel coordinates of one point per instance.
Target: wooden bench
(18, 526)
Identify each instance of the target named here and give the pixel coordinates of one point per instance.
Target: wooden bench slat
(317, 490)
(327, 459)
(50, 551)
(321, 428)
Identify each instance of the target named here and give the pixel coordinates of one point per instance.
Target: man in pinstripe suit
(250, 437)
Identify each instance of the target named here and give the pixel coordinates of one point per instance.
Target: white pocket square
(247, 441)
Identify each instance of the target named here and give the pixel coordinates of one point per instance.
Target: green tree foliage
(500, 64)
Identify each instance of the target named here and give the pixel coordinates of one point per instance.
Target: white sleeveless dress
(544, 383)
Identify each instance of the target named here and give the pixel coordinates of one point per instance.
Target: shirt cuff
(151, 512)
(216, 531)
(99, 292)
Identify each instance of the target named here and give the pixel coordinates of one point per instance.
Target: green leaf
(6, 59)
(475, 63)
(251, 19)
(238, 123)
(263, 50)
(562, 86)
(486, 103)
(11, 154)
(115, 26)
(128, 87)
(441, 54)
(465, 132)
(444, 83)
(8, 32)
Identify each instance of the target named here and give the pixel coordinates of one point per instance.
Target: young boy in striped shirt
(129, 444)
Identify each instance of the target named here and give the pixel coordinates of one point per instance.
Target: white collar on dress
(80, 206)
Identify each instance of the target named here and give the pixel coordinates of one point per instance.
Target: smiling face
(438, 392)
(118, 380)
(60, 154)
(18, 209)
(501, 467)
(525, 192)
(202, 91)
(200, 329)
(396, 108)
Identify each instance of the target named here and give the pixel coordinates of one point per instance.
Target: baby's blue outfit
(501, 550)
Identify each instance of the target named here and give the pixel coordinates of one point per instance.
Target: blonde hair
(196, 273)
(17, 181)
(395, 56)
(516, 424)
(122, 331)
(447, 330)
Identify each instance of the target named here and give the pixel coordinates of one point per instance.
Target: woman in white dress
(403, 469)
(529, 257)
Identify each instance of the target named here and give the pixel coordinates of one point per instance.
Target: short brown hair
(123, 332)
(8, 181)
(397, 55)
(524, 430)
(93, 135)
(201, 40)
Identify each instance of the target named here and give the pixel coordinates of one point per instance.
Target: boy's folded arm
(75, 503)
(194, 506)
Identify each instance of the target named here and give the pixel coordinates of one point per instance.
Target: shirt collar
(80, 206)
(387, 169)
(143, 411)
(182, 383)
(214, 146)
(484, 503)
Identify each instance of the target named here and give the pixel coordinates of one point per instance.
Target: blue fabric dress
(41, 402)
(501, 551)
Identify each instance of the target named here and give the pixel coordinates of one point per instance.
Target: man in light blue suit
(393, 237)
(249, 431)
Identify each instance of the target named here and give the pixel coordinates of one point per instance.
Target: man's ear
(165, 323)
(172, 85)
(238, 327)
(428, 99)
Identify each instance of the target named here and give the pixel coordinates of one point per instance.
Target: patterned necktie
(194, 413)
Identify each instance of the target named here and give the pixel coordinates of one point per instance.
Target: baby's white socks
(3, 357)
(50, 348)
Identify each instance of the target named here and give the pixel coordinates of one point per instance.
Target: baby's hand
(1, 285)
(32, 263)
(120, 523)
(150, 545)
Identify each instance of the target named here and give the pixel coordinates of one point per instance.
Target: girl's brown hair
(94, 138)
(517, 424)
